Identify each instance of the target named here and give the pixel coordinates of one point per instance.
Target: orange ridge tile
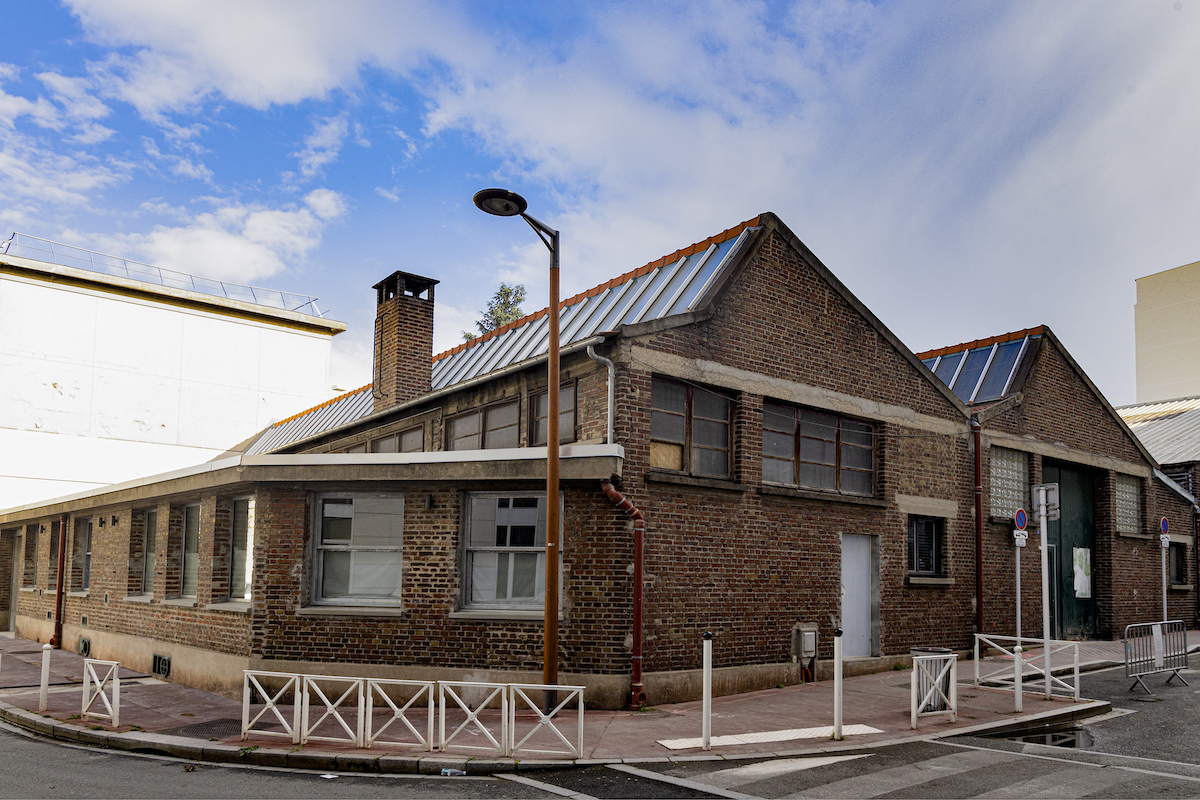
(1001, 339)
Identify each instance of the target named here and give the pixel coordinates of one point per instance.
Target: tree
(503, 308)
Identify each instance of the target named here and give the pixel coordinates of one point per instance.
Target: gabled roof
(673, 285)
(985, 370)
(1170, 429)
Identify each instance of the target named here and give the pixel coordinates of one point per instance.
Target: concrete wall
(1167, 330)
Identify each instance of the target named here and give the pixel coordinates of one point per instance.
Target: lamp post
(503, 203)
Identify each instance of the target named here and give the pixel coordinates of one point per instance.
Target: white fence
(352, 710)
(1038, 665)
(94, 687)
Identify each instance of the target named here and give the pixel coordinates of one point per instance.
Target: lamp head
(500, 202)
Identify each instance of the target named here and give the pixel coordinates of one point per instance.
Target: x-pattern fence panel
(1004, 678)
(522, 701)
(94, 689)
(480, 695)
(377, 688)
(316, 685)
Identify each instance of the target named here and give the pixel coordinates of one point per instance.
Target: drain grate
(218, 728)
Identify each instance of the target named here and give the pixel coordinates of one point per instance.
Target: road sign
(1164, 525)
(1052, 512)
(1021, 537)
(1021, 519)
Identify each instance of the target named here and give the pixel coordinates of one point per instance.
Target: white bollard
(1018, 668)
(44, 692)
(837, 684)
(706, 736)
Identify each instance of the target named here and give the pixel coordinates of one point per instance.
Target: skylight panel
(998, 373)
(948, 367)
(968, 376)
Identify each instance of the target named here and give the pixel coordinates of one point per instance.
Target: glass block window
(1129, 504)
(1010, 481)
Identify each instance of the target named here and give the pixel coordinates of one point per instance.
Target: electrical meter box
(804, 642)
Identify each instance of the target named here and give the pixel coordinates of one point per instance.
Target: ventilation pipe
(976, 430)
(637, 692)
(612, 388)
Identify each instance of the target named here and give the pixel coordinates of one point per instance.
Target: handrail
(103, 263)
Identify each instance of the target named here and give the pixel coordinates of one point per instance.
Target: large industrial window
(1010, 481)
(926, 546)
(29, 572)
(81, 555)
(1129, 504)
(485, 428)
(817, 450)
(689, 429)
(359, 550)
(539, 425)
(241, 549)
(409, 441)
(505, 551)
(191, 551)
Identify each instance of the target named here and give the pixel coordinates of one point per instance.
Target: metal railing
(934, 687)
(67, 255)
(1036, 663)
(350, 711)
(94, 687)
(1152, 647)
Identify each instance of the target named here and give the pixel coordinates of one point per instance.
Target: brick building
(796, 465)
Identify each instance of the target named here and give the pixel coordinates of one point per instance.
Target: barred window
(1010, 481)
(1129, 504)
(925, 546)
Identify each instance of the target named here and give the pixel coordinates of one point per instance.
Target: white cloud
(387, 194)
(323, 145)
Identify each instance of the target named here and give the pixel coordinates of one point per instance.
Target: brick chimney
(403, 338)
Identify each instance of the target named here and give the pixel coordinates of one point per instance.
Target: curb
(432, 764)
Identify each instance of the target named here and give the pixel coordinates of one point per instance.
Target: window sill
(138, 598)
(182, 602)
(679, 479)
(229, 607)
(83, 593)
(831, 497)
(1145, 536)
(500, 614)
(924, 580)
(350, 611)
(29, 589)
(1180, 587)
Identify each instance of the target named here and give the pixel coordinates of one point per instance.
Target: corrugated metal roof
(982, 371)
(674, 284)
(1170, 430)
(330, 414)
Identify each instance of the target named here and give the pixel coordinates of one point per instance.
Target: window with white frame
(505, 554)
(926, 546)
(191, 551)
(241, 549)
(359, 550)
(1129, 504)
(1010, 481)
(485, 428)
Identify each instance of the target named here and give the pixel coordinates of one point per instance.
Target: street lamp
(503, 203)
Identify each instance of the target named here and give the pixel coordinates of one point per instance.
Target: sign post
(1020, 536)
(1165, 539)
(1047, 509)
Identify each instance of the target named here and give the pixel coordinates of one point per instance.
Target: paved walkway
(162, 717)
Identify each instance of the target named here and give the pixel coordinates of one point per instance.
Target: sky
(966, 169)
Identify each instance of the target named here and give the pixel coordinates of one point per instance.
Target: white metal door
(857, 582)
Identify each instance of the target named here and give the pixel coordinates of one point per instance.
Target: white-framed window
(358, 553)
(485, 428)
(1010, 481)
(241, 549)
(926, 546)
(81, 555)
(505, 550)
(817, 450)
(191, 551)
(540, 416)
(1129, 504)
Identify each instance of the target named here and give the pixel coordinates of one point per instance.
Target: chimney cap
(404, 283)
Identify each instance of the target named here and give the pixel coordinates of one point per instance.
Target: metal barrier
(92, 679)
(333, 709)
(544, 721)
(934, 687)
(1004, 677)
(488, 693)
(371, 734)
(251, 683)
(1152, 647)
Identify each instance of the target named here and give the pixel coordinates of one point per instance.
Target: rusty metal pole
(550, 665)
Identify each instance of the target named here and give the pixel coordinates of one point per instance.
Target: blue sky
(966, 169)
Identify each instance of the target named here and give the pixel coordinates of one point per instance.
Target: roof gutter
(574, 347)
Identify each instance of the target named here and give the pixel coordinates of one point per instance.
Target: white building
(112, 370)
(1167, 331)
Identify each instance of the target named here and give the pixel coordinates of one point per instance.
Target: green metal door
(1072, 536)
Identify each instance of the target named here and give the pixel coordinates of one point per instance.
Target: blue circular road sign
(1021, 519)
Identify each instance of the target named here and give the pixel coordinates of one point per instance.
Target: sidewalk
(170, 719)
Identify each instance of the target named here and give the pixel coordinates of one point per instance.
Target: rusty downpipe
(62, 568)
(976, 431)
(637, 691)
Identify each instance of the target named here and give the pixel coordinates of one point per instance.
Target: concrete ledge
(222, 754)
(267, 757)
(399, 765)
(357, 762)
(311, 760)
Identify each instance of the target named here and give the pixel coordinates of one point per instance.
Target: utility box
(804, 648)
